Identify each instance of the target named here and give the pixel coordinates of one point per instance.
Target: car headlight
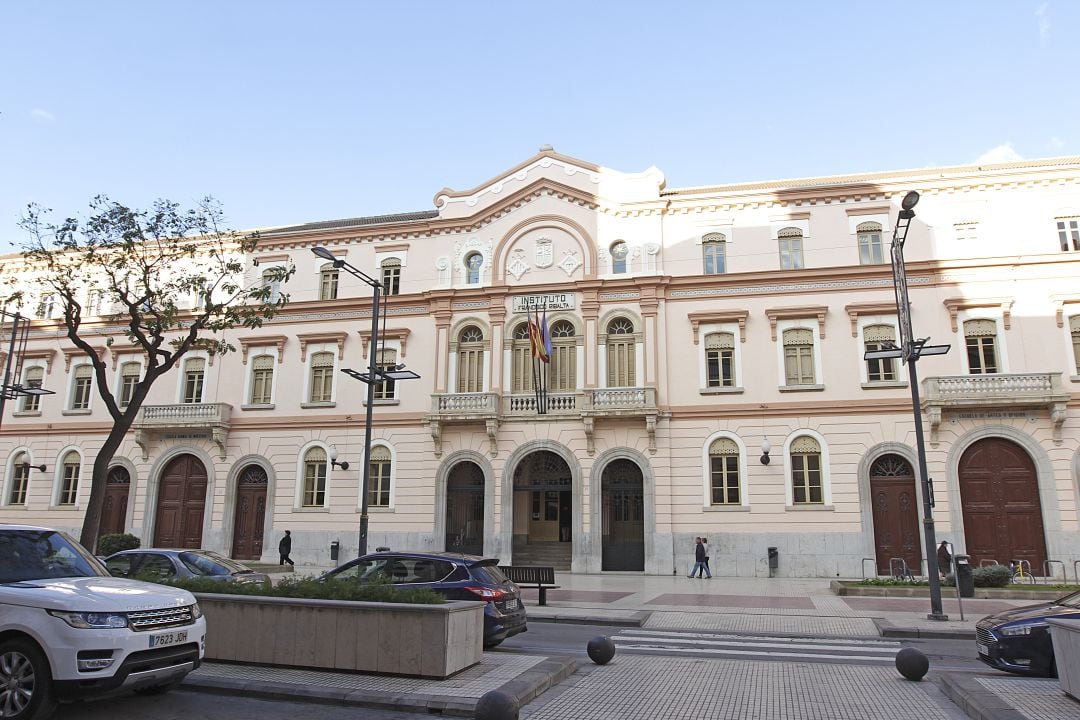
(91, 620)
(196, 611)
(1022, 629)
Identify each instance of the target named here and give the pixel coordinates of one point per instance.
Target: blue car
(1018, 640)
(454, 576)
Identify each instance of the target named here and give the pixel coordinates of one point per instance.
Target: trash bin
(965, 582)
(774, 558)
(335, 546)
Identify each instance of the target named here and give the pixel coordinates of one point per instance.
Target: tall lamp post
(373, 375)
(20, 330)
(910, 352)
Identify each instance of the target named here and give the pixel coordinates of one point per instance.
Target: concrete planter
(1034, 593)
(1065, 635)
(429, 641)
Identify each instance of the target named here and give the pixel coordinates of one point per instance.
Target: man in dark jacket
(699, 560)
(944, 558)
(284, 548)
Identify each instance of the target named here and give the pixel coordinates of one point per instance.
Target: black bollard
(496, 705)
(911, 663)
(601, 649)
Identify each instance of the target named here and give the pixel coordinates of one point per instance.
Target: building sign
(553, 301)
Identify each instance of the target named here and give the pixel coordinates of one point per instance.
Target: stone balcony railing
(1003, 392)
(198, 420)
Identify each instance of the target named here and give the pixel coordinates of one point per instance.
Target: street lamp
(909, 352)
(20, 329)
(373, 375)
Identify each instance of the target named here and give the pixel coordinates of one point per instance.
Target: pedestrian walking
(699, 560)
(944, 558)
(705, 542)
(284, 548)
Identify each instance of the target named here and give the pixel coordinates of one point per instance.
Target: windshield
(1072, 601)
(43, 555)
(205, 563)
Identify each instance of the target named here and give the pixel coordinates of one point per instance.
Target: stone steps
(555, 554)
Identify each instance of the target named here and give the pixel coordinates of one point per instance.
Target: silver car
(146, 563)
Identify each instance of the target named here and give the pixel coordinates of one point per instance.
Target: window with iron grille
(328, 282)
(980, 337)
(806, 472)
(20, 479)
(1069, 234)
(385, 360)
(621, 353)
(379, 477)
(724, 472)
(791, 248)
(799, 357)
(80, 388)
(714, 253)
(871, 250)
(391, 276)
(129, 378)
(720, 360)
(194, 377)
(470, 369)
(878, 337)
(322, 377)
(32, 379)
(69, 481)
(314, 478)
(262, 379)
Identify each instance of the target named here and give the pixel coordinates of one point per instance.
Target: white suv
(68, 630)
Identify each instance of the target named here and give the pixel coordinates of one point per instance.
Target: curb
(975, 701)
(524, 688)
(887, 629)
(636, 620)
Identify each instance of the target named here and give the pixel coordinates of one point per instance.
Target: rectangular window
(715, 257)
(80, 389)
(982, 357)
(128, 380)
(34, 376)
(328, 284)
(314, 484)
(262, 380)
(799, 364)
(1069, 234)
(791, 254)
(871, 251)
(322, 377)
(70, 484)
(379, 484)
(391, 279)
(470, 370)
(806, 479)
(194, 376)
(881, 370)
(725, 479)
(620, 357)
(720, 367)
(20, 478)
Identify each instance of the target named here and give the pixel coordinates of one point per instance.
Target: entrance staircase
(553, 554)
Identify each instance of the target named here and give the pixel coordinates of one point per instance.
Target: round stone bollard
(601, 649)
(911, 663)
(496, 705)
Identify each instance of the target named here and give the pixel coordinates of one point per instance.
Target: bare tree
(171, 277)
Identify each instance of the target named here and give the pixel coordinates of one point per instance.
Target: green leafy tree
(169, 278)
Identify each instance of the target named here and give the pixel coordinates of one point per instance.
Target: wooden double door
(896, 514)
(181, 504)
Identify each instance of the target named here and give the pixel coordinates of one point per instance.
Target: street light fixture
(20, 330)
(373, 375)
(909, 352)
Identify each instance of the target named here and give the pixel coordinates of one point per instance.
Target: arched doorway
(896, 513)
(180, 504)
(999, 492)
(465, 509)
(114, 509)
(622, 519)
(250, 513)
(543, 511)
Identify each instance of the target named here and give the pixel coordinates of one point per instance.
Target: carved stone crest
(545, 252)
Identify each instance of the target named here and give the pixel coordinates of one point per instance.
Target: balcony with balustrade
(1001, 392)
(209, 421)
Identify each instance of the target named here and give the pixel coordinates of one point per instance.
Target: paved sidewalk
(692, 688)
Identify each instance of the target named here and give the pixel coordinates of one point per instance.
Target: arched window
(871, 251)
(130, 372)
(791, 248)
(621, 353)
(20, 479)
(32, 378)
(714, 253)
(1074, 328)
(720, 360)
(328, 282)
(314, 478)
(322, 377)
(806, 487)
(470, 360)
(799, 357)
(521, 360)
(473, 262)
(724, 472)
(69, 479)
(386, 359)
(980, 337)
(194, 378)
(262, 379)
(879, 337)
(379, 477)
(80, 387)
(391, 276)
(619, 253)
(563, 369)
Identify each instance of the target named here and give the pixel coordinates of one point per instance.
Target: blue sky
(294, 112)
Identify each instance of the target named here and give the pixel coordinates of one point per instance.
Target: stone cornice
(246, 343)
(399, 334)
(854, 310)
(955, 305)
(796, 313)
(72, 352)
(1060, 301)
(697, 319)
(316, 338)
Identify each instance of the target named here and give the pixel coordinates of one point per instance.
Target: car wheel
(26, 690)
(159, 689)
(488, 644)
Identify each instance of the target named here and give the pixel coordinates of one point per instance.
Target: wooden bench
(538, 576)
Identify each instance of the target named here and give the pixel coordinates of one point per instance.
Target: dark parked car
(456, 577)
(167, 564)
(1018, 641)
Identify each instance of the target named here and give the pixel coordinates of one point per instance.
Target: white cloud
(1001, 154)
(42, 115)
(1043, 17)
